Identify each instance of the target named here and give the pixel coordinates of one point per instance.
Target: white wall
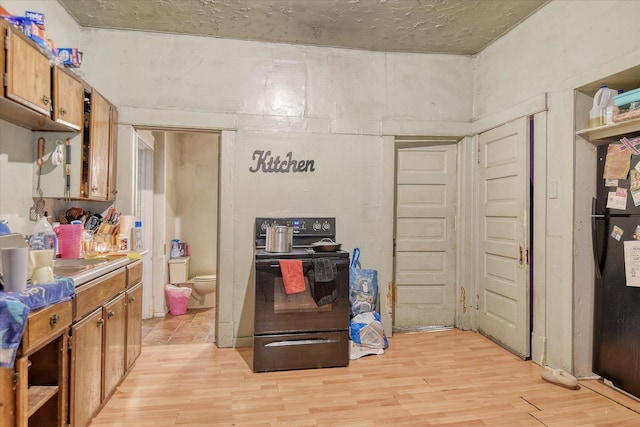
(318, 103)
(564, 45)
(196, 185)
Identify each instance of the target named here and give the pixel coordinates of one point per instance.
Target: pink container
(69, 240)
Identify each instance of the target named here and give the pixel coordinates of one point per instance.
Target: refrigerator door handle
(594, 239)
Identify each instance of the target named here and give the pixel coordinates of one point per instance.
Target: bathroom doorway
(184, 175)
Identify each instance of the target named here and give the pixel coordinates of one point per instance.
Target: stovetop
(298, 253)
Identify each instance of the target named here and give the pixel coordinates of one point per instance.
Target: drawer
(98, 291)
(134, 273)
(44, 325)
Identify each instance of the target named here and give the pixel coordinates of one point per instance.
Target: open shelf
(608, 133)
(39, 395)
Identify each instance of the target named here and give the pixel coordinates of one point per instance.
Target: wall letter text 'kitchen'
(265, 162)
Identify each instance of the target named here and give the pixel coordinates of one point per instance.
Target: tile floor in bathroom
(195, 326)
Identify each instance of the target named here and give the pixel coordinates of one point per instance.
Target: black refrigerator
(616, 329)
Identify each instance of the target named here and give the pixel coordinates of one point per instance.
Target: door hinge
(477, 302)
(15, 379)
(478, 158)
(5, 79)
(69, 341)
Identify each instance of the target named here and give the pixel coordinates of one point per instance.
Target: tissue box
(70, 57)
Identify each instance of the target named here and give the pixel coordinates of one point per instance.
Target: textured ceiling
(430, 26)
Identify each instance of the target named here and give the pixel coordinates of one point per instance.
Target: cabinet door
(7, 398)
(68, 102)
(99, 147)
(28, 74)
(114, 314)
(86, 367)
(113, 155)
(134, 324)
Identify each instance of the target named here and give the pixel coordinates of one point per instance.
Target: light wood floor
(445, 378)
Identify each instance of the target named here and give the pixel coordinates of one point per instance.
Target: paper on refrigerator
(617, 163)
(632, 262)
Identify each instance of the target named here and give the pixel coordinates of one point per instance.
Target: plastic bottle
(175, 249)
(4, 227)
(43, 236)
(603, 99)
(138, 245)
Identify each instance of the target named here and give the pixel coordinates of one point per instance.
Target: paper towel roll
(126, 224)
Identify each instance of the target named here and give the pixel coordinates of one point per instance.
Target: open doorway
(177, 190)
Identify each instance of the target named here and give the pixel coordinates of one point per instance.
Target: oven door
(277, 313)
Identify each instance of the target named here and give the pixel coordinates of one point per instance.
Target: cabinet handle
(53, 319)
(111, 314)
(100, 321)
(63, 111)
(132, 299)
(94, 188)
(46, 100)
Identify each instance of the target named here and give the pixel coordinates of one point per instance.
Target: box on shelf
(70, 57)
(36, 17)
(624, 99)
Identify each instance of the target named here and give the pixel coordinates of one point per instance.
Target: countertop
(82, 270)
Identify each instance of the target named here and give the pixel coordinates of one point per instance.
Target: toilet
(203, 287)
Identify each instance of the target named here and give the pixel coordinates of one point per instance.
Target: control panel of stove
(321, 227)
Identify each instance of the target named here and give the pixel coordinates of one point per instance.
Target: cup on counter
(87, 243)
(69, 237)
(15, 262)
(102, 243)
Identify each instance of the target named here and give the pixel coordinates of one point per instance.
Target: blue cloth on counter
(15, 308)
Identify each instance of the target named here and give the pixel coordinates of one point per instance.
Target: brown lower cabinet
(75, 353)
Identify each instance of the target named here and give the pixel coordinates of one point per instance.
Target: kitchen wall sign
(266, 162)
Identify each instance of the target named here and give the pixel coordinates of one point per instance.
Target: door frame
(425, 141)
(542, 192)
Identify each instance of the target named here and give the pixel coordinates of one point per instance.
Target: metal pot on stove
(279, 239)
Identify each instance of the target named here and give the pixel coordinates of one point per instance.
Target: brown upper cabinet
(68, 93)
(99, 148)
(36, 95)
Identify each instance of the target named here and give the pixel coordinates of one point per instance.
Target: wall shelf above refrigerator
(608, 133)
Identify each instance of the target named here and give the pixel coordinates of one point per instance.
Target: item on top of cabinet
(604, 98)
(624, 99)
(70, 57)
(4, 227)
(175, 249)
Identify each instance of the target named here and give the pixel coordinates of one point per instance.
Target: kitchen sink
(78, 263)
(76, 267)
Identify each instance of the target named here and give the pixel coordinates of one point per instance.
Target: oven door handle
(304, 264)
(302, 342)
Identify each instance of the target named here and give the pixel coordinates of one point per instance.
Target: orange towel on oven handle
(292, 276)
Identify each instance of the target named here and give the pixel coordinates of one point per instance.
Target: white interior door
(503, 289)
(144, 212)
(425, 239)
